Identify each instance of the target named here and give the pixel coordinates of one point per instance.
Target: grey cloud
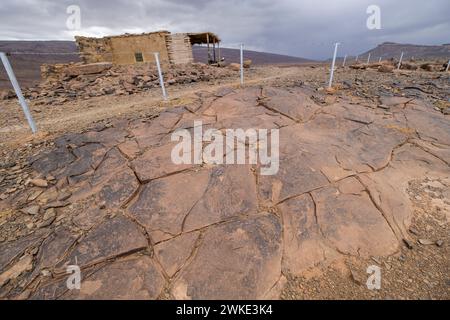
(306, 28)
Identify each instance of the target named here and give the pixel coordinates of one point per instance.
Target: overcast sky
(305, 28)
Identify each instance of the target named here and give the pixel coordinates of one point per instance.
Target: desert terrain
(27, 57)
(363, 180)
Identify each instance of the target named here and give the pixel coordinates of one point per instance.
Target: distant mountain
(258, 58)
(27, 57)
(54, 46)
(394, 50)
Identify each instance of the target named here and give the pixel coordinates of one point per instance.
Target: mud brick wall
(125, 47)
(121, 50)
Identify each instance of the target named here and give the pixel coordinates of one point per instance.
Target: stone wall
(121, 50)
(94, 49)
(66, 71)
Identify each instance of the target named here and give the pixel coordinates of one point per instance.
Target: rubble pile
(390, 65)
(63, 83)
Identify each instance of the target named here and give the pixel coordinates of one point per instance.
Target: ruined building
(135, 48)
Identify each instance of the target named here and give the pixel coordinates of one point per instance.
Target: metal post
(242, 64)
(379, 60)
(332, 65)
(357, 57)
(345, 59)
(400, 62)
(448, 64)
(368, 59)
(19, 94)
(161, 80)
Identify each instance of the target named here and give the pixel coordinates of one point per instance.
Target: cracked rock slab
(236, 260)
(304, 245)
(231, 192)
(54, 247)
(163, 204)
(353, 224)
(281, 101)
(174, 253)
(149, 134)
(113, 237)
(132, 279)
(341, 190)
(157, 163)
(13, 250)
(120, 188)
(296, 175)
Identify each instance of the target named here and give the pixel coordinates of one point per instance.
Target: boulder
(358, 66)
(430, 67)
(409, 66)
(234, 66)
(374, 65)
(386, 68)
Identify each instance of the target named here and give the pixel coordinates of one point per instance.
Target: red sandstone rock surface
(118, 207)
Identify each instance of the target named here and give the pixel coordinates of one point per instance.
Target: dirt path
(77, 115)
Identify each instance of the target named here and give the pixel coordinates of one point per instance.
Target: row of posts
(330, 84)
(26, 110)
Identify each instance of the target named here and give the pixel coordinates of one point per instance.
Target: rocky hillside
(390, 50)
(27, 57)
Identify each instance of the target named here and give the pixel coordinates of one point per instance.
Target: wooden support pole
(242, 64)
(209, 52)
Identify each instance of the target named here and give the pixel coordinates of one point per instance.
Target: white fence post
(400, 62)
(357, 57)
(19, 94)
(448, 64)
(332, 65)
(345, 59)
(161, 79)
(242, 64)
(368, 59)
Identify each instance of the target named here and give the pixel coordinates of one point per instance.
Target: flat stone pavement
(141, 227)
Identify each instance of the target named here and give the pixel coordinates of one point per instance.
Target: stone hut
(137, 48)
